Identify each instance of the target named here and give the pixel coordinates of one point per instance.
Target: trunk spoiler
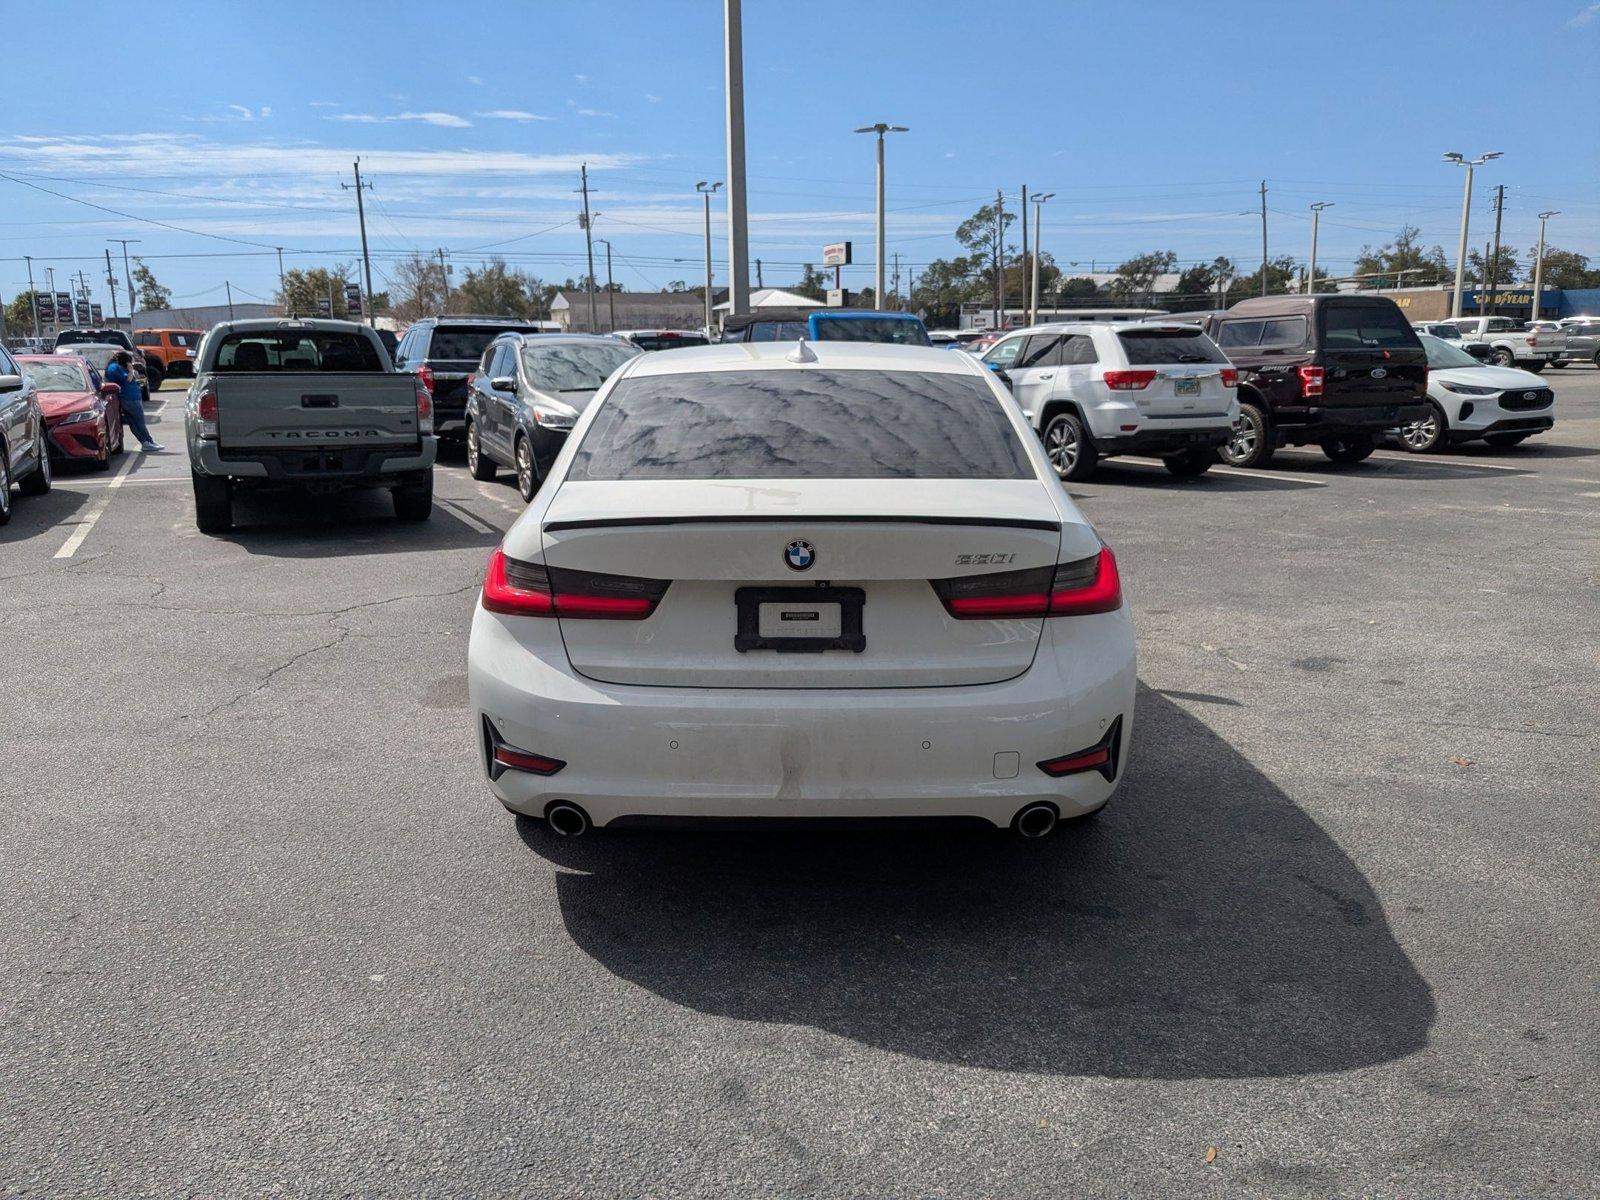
(790, 518)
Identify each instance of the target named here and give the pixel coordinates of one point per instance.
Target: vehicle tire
(37, 481)
(213, 503)
(1506, 439)
(5, 486)
(1067, 444)
(1253, 441)
(1501, 357)
(414, 501)
(1427, 436)
(479, 464)
(1190, 464)
(527, 470)
(1555, 364)
(1596, 359)
(1352, 448)
(154, 375)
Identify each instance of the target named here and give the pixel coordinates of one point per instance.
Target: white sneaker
(152, 447)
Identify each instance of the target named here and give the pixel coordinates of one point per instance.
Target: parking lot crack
(266, 680)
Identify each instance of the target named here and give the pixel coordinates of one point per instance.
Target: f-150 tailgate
(277, 410)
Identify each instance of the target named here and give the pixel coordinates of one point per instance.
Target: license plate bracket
(1186, 387)
(796, 605)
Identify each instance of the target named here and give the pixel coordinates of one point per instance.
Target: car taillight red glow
(518, 760)
(205, 411)
(1532, 341)
(1311, 379)
(425, 373)
(1129, 381)
(424, 409)
(1071, 764)
(1073, 589)
(525, 589)
(1230, 377)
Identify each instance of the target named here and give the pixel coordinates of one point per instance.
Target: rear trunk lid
(1188, 370)
(1370, 356)
(285, 410)
(725, 546)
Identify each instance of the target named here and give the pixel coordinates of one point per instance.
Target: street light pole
(1263, 237)
(127, 273)
(34, 296)
(1033, 291)
(880, 129)
(1466, 211)
(707, 189)
(1538, 263)
(1316, 218)
(738, 214)
(611, 296)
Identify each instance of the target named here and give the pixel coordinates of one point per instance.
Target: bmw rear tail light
(1311, 379)
(205, 412)
(524, 589)
(1101, 757)
(1072, 589)
(503, 757)
(1129, 381)
(424, 408)
(1230, 377)
(425, 373)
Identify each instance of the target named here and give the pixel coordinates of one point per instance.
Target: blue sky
(1152, 122)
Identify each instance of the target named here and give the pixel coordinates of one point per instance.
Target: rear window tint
(891, 330)
(1355, 326)
(1170, 346)
(469, 342)
(297, 350)
(813, 424)
(651, 341)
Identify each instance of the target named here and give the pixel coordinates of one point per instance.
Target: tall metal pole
(361, 218)
(444, 282)
(227, 284)
(1263, 237)
(611, 296)
(283, 292)
(1538, 263)
(127, 272)
(33, 295)
(880, 129)
(1494, 270)
(706, 189)
(1038, 243)
(999, 260)
(1452, 156)
(1027, 276)
(588, 242)
(111, 286)
(738, 215)
(1316, 218)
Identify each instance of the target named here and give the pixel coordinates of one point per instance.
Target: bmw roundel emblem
(798, 555)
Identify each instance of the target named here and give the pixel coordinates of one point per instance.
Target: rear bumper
(338, 466)
(1316, 424)
(720, 754)
(1163, 441)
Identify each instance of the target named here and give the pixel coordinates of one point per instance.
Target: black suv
(445, 351)
(1332, 370)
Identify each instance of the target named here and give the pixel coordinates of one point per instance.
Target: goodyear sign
(1513, 296)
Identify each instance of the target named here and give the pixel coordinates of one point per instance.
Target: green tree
(304, 290)
(1505, 268)
(1565, 269)
(1136, 278)
(983, 234)
(1199, 286)
(19, 315)
(1402, 259)
(1282, 277)
(813, 283)
(417, 288)
(150, 293)
(496, 289)
(947, 283)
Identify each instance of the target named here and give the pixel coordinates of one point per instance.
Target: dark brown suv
(1332, 370)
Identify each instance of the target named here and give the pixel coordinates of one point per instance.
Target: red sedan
(82, 416)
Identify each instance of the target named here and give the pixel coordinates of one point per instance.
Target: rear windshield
(871, 329)
(569, 367)
(185, 339)
(768, 331)
(297, 350)
(461, 342)
(1149, 347)
(1356, 326)
(668, 341)
(813, 424)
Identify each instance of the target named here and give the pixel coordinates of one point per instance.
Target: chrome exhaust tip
(566, 819)
(1036, 820)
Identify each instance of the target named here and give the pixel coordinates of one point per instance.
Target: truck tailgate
(279, 410)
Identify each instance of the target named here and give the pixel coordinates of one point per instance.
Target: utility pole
(444, 281)
(1263, 237)
(81, 296)
(1316, 217)
(1452, 156)
(111, 286)
(33, 295)
(1027, 274)
(1494, 271)
(611, 296)
(760, 283)
(738, 215)
(127, 272)
(1538, 263)
(283, 291)
(588, 240)
(706, 189)
(999, 260)
(880, 129)
(228, 284)
(1033, 286)
(895, 289)
(361, 217)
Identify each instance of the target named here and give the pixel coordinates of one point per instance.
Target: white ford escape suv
(1093, 391)
(769, 580)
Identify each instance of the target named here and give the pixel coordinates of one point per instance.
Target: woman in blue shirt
(120, 372)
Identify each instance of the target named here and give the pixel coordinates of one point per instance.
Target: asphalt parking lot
(264, 931)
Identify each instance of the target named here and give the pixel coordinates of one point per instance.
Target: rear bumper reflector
(500, 758)
(1102, 757)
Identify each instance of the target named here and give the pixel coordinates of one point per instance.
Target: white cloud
(652, 97)
(442, 119)
(583, 80)
(266, 111)
(589, 112)
(475, 80)
(1588, 13)
(511, 114)
(324, 104)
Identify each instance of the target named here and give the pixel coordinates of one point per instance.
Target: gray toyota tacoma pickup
(287, 404)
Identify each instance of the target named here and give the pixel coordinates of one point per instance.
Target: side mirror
(109, 391)
(1478, 350)
(504, 383)
(1000, 373)
(10, 383)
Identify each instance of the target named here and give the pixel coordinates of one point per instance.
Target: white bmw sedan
(789, 580)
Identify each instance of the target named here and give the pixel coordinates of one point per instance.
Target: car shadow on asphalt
(349, 523)
(1201, 926)
(39, 517)
(1159, 478)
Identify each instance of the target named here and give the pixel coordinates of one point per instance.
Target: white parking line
(1258, 476)
(75, 539)
(1456, 464)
